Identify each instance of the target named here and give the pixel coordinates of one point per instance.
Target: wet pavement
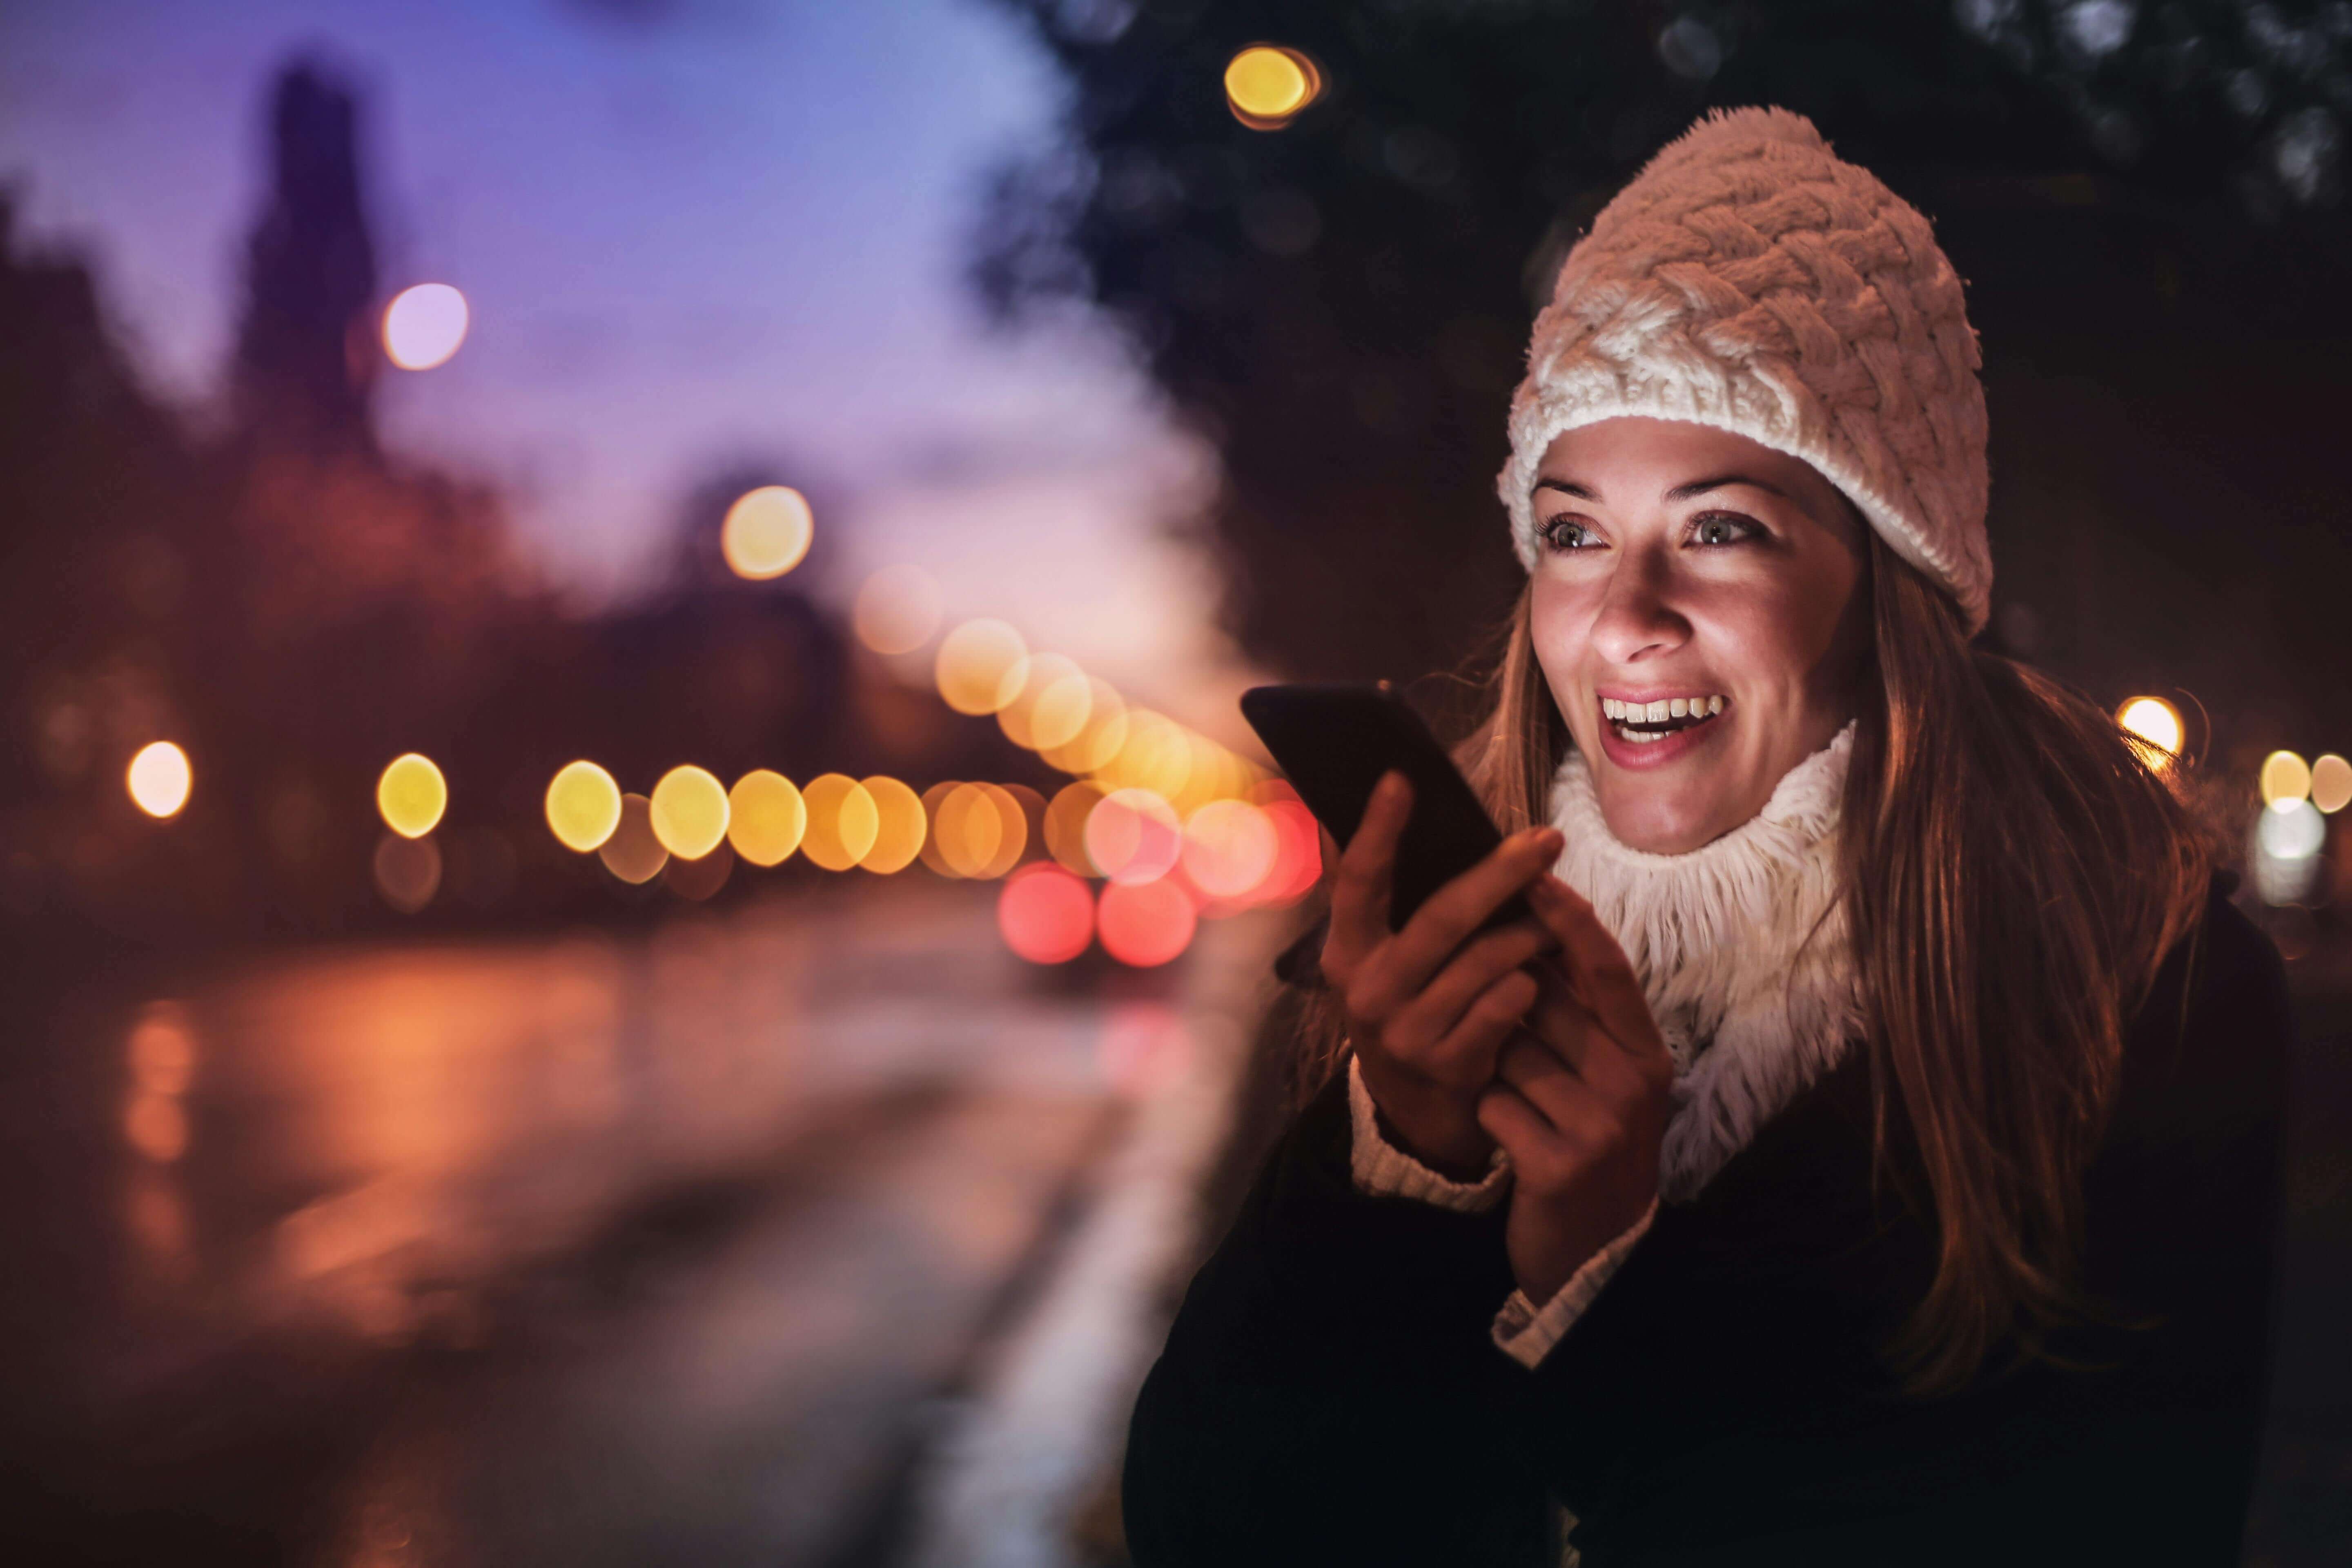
(591, 1248)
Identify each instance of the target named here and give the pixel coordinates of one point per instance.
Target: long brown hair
(2014, 871)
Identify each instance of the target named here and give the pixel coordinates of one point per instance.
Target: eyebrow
(1679, 493)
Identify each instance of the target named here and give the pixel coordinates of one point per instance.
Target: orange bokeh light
(842, 821)
(159, 779)
(900, 826)
(767, 533)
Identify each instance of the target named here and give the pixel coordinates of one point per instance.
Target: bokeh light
(411, 795)
(700, 878)
(933, 855)
(843, 822)
(424, 326)
(1023, 812)
(2154, 720)
(1266, 85)
(159, 779)
(1066, 825)
(1133, 837)
(1100, 738)
(1145, 924)
(765, 818)
(156, 1126)
(2289, 833)
(162, 1050)
(584, 806)
(1298, 856)
(897, 610)
(900, 826)
(1045, 914)
(1053, 689)
(2286, 777)
(1230, 848)
(2331, 782)
(981, 666)
(408, 871)
(633, 852)
(689, 812)
(969, 826)
(767, 533)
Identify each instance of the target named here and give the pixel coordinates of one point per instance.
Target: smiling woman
(1867, 1153)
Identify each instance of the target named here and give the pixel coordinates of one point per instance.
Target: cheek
(1559, 622)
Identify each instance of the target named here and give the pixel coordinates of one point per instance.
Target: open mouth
(1644, 723)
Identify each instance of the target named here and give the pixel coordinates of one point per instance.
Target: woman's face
(1678, 563)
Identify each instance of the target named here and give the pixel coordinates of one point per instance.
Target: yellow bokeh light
(932, 855)
(1046, 688)
(689, 808)
(900, 826)
(159, 779)
(410, 794)
(1065, 826)
(765, 818)
(843, 822)
(1101, 737)
(1266, 85)
(2286, 778)
(584, 806)
(1017, 806)
(2331, 782)
(2153, 720)
(767, 533)
(633, 852)
(897, 610)
(982, 665)
(970, 829)
(424, 326)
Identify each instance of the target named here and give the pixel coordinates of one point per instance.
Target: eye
(1724, 527)
(1565, 532)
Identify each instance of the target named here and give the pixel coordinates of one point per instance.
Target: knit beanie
(1750, 279)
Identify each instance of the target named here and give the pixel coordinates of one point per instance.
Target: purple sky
(691, 231)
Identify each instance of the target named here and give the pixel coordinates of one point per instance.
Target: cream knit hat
(1750, 279)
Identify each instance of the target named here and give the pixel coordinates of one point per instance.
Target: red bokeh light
(1144, 924)
(1046, 915)
(1298, 853)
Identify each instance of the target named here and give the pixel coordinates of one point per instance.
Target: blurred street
(607, 1248)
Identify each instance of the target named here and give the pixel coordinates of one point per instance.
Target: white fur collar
(1715, 935)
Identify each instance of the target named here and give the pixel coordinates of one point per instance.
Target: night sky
(693, 234)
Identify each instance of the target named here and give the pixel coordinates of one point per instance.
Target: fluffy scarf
(1752, 1010)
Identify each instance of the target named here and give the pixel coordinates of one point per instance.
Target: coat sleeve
(1328, 1392)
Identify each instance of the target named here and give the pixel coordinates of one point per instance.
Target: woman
(1867, 1153)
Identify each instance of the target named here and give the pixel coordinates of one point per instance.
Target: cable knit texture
(1750, 279)
(1382, 1168)
(1752, 1009)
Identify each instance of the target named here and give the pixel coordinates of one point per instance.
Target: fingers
(1432, 1013)
(1603, 977)
(1464, 1056)
(1449, 915)
(1359, 882)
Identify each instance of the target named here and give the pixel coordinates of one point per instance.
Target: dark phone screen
(1336, 741)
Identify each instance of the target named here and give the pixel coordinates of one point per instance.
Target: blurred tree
(1342, 303)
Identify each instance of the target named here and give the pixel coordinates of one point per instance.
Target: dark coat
(1329, 1392)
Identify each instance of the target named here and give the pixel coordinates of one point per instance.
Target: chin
(1657, 819)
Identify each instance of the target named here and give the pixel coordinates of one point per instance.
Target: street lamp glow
(1267, 85)
(424, 326)
(689, 809)
(2331, 784)
(2286, 778)
(2153, 720)
(584, 806)
(412, 795)
(767, 533)
(159, 779)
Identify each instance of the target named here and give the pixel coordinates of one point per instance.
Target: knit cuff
(1384, 1170)
(1527, 1333)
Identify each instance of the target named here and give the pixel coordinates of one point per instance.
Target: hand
(1427, 1014)
(1579, 1103)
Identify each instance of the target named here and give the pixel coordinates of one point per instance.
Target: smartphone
(1336, 741)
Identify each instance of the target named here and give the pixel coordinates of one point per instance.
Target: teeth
(1625, 713)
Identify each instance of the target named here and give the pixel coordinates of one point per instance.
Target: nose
(1637, 618)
